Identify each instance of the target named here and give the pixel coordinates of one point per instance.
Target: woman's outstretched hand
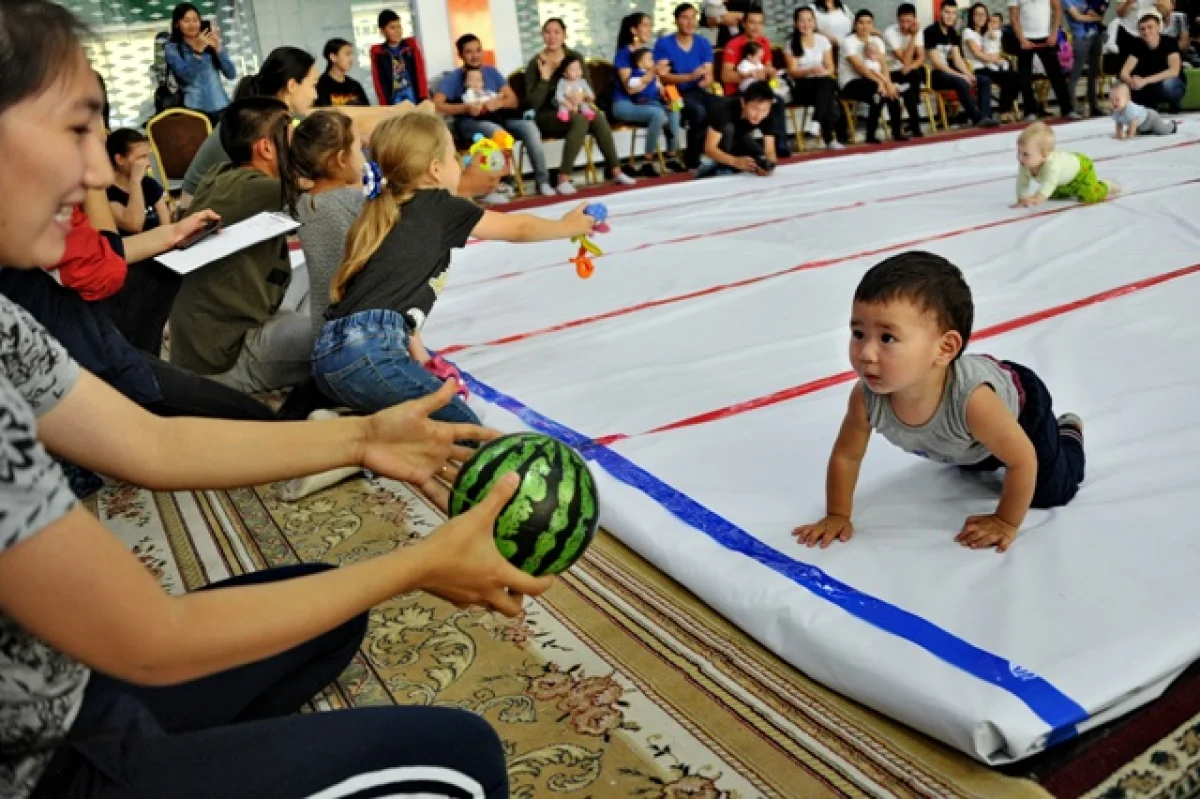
(403, 443)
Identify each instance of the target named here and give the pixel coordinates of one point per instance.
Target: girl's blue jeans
(363, 362)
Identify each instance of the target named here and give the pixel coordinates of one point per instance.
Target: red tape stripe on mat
(814, 386)
(802, 267)
(561, 264)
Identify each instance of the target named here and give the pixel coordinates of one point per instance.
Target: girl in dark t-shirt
(395, 265)
(142, 305)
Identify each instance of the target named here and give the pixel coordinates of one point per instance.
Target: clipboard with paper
(229, 240)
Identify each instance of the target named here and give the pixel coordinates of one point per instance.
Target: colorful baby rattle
(496, 150)
(584, 267)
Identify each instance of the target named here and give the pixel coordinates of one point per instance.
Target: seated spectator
(726, 17)
(336, 88)
(1154, 71)
(685, 61)
(809, 57)
(949, 71)
(195, 693)
(396, 264)
(138, 204)
(542, 75)
(873, 87)
(1035, 25)
(1125, 27)
(289, 75)
(752, 26)
(469, 119)
(226, 321)
(1175, 24)
(982, 52)
(325, 193)
(906, 62)
(197, 58)
(834, 20)
(634, 106)
(90, 269)
(138, 200)
(397, 65)
(741, 137)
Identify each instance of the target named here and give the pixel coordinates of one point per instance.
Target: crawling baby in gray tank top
(910, 322)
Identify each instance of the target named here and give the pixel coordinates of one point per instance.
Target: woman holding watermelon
(108, 686)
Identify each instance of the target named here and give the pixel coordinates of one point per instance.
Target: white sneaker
(566, 187)
(621, 179)
(495, 198)
(835, 145)
(814, 128)
(546, 189)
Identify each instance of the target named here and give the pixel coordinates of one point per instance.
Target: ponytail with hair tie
(373, 180)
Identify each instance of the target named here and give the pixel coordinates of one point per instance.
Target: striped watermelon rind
(534, 531)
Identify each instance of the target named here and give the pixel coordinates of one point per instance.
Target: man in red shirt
(752, 28)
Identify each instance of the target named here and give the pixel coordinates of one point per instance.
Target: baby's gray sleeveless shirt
(945, 438)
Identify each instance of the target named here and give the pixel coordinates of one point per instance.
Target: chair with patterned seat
(175, 137)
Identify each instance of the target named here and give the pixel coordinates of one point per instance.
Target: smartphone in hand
(210, 227)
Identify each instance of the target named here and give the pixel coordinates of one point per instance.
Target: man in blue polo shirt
(689, 61)
(497, 113)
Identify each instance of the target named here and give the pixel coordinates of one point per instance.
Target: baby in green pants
(1050, 174)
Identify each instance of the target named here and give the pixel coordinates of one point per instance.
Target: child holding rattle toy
(395, 266)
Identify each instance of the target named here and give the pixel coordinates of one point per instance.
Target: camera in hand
(764, 164)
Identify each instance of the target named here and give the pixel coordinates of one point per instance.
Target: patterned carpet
(616, 683)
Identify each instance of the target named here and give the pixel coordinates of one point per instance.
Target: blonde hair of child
(404, 147)
(1040, 134)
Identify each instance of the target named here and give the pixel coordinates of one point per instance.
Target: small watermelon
(552, 518)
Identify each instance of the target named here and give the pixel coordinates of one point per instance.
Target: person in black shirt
(138, 201)
(336, 87)
(948, 71)
(141, 307)
(1154, 70)
(741, 136)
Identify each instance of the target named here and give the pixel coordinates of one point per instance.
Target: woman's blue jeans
(363, 362)
(654, 118)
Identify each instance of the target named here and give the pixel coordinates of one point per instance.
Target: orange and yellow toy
(496, 151)
(583, 259)
(587, 248)
(674, 100)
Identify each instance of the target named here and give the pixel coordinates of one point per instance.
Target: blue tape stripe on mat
(1051, 705)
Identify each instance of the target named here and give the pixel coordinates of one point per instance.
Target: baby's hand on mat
(1030, 201)
(824, 532)
(982, 532)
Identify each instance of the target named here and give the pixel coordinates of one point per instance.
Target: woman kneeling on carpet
(109, 687)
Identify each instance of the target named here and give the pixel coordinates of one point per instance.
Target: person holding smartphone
(197, 58)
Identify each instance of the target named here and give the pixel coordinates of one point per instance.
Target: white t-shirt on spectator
(835, 24)
(853, 46)
(897, 41)
(814, 56)
(1130, 21)
(968, 36)
(1035, 17)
